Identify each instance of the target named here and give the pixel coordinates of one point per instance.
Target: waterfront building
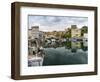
(35, 32)
(75, 32)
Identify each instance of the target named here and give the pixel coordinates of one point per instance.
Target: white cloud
(51, 23)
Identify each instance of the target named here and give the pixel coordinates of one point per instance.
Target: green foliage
(84, 29)
(67, 34)
(68, 44)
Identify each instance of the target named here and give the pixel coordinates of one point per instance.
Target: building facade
(35, 32)
(75, 32)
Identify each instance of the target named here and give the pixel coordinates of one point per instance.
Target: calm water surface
(63, 56)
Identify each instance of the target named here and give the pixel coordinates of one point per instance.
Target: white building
(35, 32)
(85, 39)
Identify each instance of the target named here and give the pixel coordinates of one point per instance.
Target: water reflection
(65, 53)
(73, 45)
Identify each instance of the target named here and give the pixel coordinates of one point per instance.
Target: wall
(5, 40)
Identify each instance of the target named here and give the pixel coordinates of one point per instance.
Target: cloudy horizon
(56, 23)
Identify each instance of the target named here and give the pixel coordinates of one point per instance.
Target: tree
(84, 29)
(68, 33)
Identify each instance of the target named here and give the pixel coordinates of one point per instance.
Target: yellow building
(75, 32)
(75, 44)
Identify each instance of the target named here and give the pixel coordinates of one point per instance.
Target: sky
(55, 23)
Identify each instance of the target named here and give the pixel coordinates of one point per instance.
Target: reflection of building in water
(75, 44)
(75, 32)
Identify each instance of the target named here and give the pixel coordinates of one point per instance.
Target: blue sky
(56, 23)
